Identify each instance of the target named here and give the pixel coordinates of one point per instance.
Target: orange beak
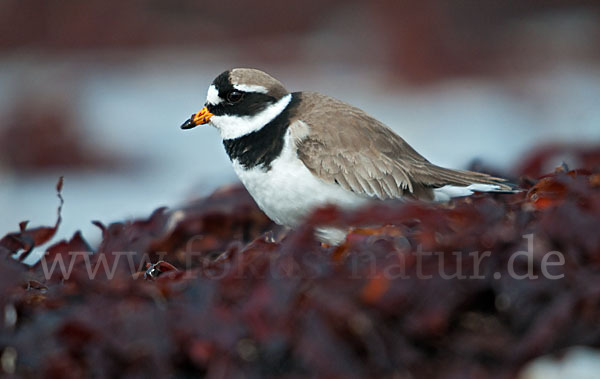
(199, 118)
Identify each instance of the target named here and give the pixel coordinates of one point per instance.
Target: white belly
(288, 192)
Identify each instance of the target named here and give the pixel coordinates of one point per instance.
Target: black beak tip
(189, 124)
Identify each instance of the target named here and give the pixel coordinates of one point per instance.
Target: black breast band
(262, 147)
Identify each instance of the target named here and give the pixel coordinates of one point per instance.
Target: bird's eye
(234, 96)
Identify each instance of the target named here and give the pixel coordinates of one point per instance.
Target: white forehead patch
(232, 127)
(250, 88)
(212, 97)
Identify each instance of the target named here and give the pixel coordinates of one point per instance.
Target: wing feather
(346, 146)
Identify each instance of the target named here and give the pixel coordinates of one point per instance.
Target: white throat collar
(232, 127)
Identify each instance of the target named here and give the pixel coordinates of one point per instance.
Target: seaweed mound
(478, 288)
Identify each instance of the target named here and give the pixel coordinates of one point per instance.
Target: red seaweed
(473, 288)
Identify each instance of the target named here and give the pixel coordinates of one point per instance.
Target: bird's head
(241, 101)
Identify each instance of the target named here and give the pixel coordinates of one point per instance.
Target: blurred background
(96, 90)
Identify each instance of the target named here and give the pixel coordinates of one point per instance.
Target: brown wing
(346, 146)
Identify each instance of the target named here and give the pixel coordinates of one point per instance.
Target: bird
(298, 151)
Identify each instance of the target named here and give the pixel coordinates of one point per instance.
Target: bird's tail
(459, 183)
